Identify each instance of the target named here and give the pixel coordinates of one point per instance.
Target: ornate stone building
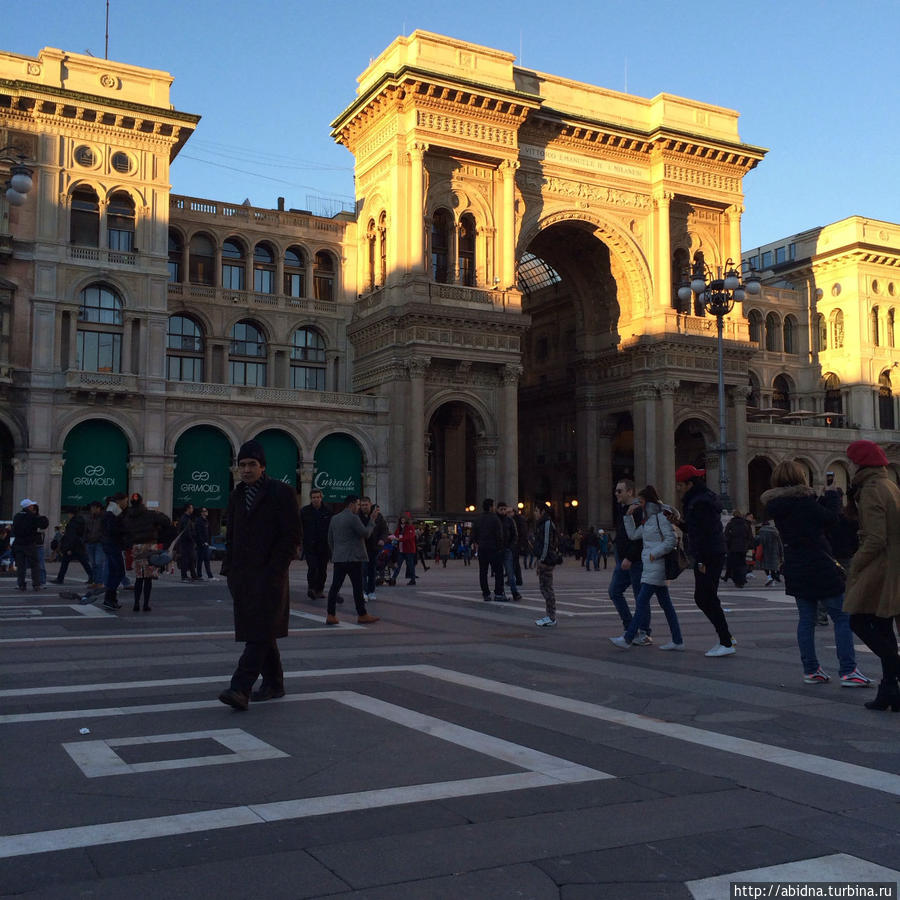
(499, 317)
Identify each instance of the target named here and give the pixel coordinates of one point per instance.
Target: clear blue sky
(815, 82)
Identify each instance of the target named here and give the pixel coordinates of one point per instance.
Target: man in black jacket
(71, 546)
(629, 568)
(374, 544)
(487, 539)
(261, 543)
(26, 526)
(705, 543)
(315, 518)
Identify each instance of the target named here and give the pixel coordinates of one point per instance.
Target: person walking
(260, 545)
(113, 546)
(187, 545)
(872, 597)
(738, 540)
(603, 538)
(93, 542)
(374, 544)
(487, 541)
(202, 538)
(811, 575)
(658, 538)
(591, 549)
(510, 548)
(347, 542)
(405, 534)
(627, 571)
(701, 523)
(27, 532)
(315, 518)
(443, 548)
(547, 557)
(72, 546)
(141, 528)
(772, 547)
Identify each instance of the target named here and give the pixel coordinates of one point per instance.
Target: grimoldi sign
(95, 463)
(202, 469)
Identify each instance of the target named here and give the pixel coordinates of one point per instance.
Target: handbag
(675, 560)
(160, 559)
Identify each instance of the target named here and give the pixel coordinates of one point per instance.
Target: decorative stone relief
(464, 128)
(110, 82)
(417, 366)
(585, 192)
(702, 178)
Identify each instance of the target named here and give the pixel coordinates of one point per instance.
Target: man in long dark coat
(261, 542)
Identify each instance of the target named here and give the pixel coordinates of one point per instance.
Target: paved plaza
(452, 750)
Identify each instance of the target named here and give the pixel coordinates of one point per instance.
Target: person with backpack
(547, 557)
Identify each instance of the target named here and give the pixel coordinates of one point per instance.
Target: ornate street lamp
(20, 182)
(717, 294)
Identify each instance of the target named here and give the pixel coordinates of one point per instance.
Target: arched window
(834, 401)
(85, 217)
(681, 269)
(323, 276)
(100, 329)
(781, 393)
(440, 246)
(370, 247)
(466, 251)
(789, 334)
(772, 330)
(699, 268)
(202, 260)
(889, 327)
(307, 360)
(754, 320)
(885, 401)
(821, 332)
(184, 350)
(247, 355)
(120, 222)
(294, 272)
(876, 335)
(753, 398)
(176, 256)
(233, 272)
(837, 329)
(382, 248)
(263, 269)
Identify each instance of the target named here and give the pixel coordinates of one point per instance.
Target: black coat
(487, 532)
(703, 524)
(26, 528)
(315, 524)
(73, 537)
(810, 571)
(626, 548)
(260, 545)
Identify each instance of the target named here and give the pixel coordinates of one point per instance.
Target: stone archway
(452, 459)
(759, 477)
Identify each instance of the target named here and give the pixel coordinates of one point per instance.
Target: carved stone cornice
(510, 374)
(417, 366)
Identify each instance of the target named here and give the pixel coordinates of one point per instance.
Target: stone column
(666, 464)
(330, 381)
(416, 209)
(643, 417)
(486, 470)
(586, 447)
(740, 478)
(125, 357)
(508, 224)
(733, 223)
(509, 483)
(606, 430)
(416, 366)
(306, 476)
(662, 261)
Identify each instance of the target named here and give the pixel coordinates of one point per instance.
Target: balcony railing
(276, 396)
(197, 207)
(249, 298)
(101, 382)
(101, 255)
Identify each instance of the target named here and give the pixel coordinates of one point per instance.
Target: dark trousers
(203, 556)
(706, 596)
(517, 566)
(353, 571)
(115, 569)
(67, 556)
(258, 658)
(316, 572)
(877, 633)
(27, 557)
(494, 560)
(369, 570)
(187, 559)
(737, 567)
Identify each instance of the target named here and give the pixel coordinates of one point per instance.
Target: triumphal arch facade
(520, 237)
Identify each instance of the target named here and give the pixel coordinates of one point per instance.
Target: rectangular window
(201, 269)
(324, 287)
(780, 255)
(293, 284)
(792, 251)
(174, 272)
(752, 262)
(99, 351)
(122, 241)
(264, 281)
(252, 374)
(233, 278)
(185, 368)
(767, 259)
(305, 378)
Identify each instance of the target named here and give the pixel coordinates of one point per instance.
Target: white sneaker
(372, 597)
(769, 580)
(366, 597)
(642, 639)
(671, 646)
(620, 642)
(545, 622)
(720, 650)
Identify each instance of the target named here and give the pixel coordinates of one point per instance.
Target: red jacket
(407, 535)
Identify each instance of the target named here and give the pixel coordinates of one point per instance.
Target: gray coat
(772, 549)
(347, 537)
(659, 538)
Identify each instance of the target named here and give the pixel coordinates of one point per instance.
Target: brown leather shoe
(367, 619)
(235, 699)
(332, 620)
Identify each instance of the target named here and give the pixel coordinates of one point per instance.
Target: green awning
(338, 462)
(95, 463)
(202, 469)
(281, 456)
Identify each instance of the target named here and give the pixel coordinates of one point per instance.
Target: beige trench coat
(873, 584)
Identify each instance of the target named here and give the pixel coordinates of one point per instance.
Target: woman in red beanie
(872, 597)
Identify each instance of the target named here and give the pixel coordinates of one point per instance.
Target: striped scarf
(250, 492)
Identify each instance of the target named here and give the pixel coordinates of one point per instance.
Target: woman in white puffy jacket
(659, 538)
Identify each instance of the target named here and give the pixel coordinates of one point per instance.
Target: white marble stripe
(130, 636)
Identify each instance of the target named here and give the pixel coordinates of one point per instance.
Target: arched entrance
(95, 464)
(203, 458)
(338, 468)
(691, 442)
(451, 463)
(759, 477)
(282, 456)
(7, 449)
(569, 287)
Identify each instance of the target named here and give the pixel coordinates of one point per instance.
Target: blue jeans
(593, 555)
(509, 566)
(641, 618)
(98, 562)
(410, 560)
(806, 634)
(621, 580)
